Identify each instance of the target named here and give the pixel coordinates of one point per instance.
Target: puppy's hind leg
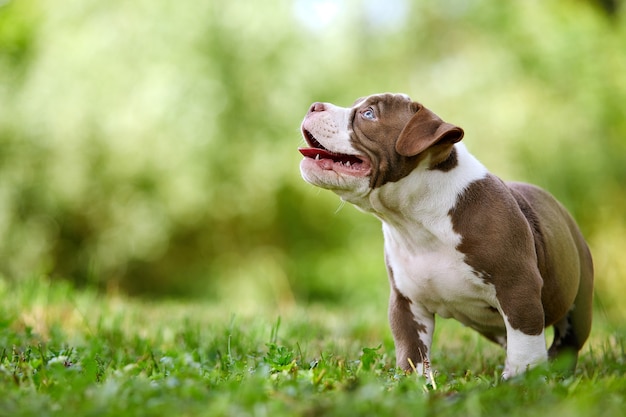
(565, 345)
(571, 332)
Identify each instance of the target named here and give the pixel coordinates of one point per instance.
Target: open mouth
(325, 159)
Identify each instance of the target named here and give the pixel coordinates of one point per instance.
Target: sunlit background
(150, 147)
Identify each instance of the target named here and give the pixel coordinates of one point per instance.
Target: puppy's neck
(425, 194)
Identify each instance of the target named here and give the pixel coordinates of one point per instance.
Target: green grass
(75, 353)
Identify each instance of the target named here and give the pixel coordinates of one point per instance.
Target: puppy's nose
(315, 107)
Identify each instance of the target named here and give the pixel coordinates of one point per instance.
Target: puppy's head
(380, 139)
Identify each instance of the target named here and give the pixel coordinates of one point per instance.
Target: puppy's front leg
(412, 328)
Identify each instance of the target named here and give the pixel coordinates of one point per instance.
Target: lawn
(65, 352)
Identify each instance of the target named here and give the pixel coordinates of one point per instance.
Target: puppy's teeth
(317, 157)
(347, 163)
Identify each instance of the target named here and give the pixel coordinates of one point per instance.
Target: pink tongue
(313, 152)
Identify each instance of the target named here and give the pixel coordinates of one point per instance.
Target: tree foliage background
(150, 147)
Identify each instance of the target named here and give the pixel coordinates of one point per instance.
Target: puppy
(505, 259)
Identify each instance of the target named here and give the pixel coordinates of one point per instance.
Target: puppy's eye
(368, 114)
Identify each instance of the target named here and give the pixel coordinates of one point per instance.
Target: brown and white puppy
(505, 259)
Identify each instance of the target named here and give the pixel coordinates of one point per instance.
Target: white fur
(331, 129)
(427, 319)
(421, 243)
(522, 351)
(420, 247)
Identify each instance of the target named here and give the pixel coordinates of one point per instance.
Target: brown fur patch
(405, 328)
(445, 160)
(377, 139)
(499, 245)
(561, 250)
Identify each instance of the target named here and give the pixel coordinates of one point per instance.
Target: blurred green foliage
(150, 146)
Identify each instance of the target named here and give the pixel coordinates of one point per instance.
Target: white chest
(436, 278)
(420, 244)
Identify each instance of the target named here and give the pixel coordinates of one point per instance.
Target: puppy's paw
(512, 369)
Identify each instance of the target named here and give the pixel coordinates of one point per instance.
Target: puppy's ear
(424, 130)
